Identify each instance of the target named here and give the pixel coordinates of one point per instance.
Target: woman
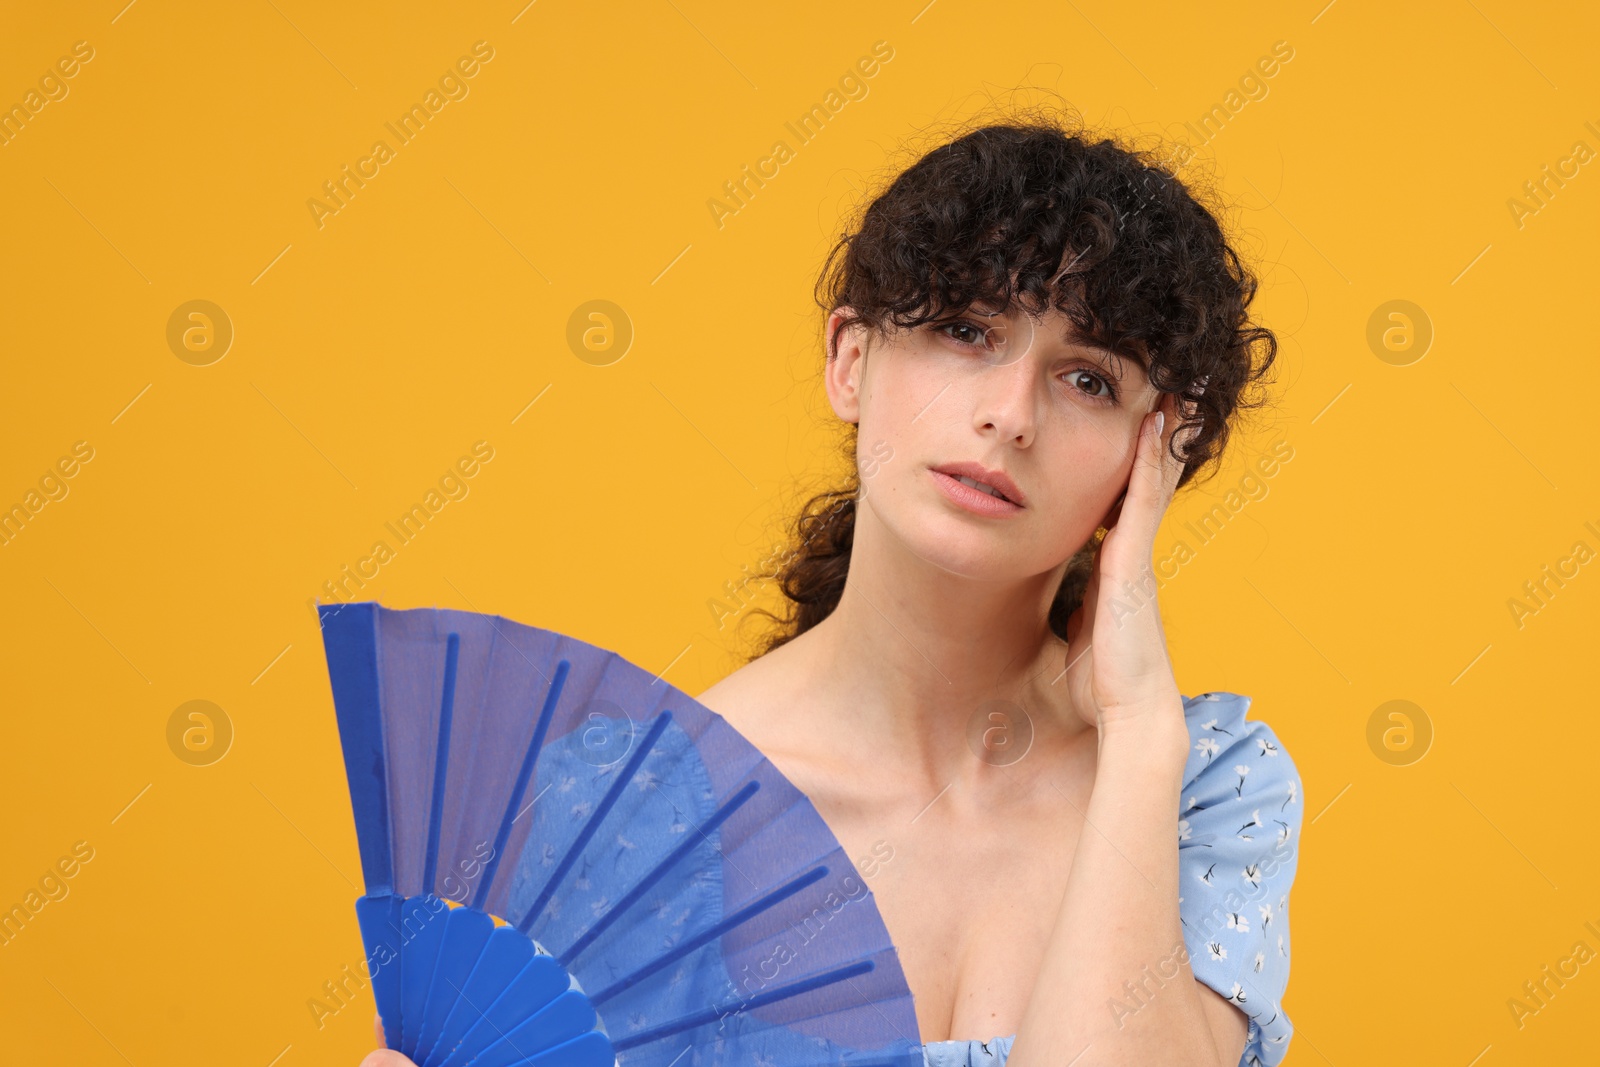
(1036, 338)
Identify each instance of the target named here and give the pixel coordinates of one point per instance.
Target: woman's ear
(846, 366)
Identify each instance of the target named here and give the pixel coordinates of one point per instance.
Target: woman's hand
(1118, 670)
(384, 1057)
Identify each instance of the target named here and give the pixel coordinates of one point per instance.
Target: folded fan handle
(380, 920)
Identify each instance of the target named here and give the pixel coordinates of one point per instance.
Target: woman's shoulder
(740, 695)
(748, 698)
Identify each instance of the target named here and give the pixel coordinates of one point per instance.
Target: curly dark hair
(1037, 212)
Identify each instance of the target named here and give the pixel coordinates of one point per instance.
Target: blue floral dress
(1238, 836)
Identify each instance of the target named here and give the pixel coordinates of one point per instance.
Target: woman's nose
(1008, 400)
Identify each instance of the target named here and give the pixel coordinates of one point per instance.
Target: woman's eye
(1106, 390)
(964, 332)
(1094, 386)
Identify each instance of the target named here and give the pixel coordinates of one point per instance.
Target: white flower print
(1238, 954)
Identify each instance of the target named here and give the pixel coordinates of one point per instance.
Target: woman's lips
(974, 500)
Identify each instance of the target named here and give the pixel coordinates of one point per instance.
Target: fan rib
(593, 825)
(441, 761)
(701, 834)
(350, 638)
(524, 776)
(783, 992)
(738, 918)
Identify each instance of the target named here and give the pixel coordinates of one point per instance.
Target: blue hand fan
(570, 863)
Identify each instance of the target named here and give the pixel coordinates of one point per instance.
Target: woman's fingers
(1132, 539)
(384, 1057)
(1176, 441)
(1166, 461)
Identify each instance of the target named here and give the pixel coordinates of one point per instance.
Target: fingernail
(1161, 418)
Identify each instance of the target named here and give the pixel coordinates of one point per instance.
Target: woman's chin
(985, 555)
(976, 554)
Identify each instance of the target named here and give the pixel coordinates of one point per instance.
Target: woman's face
(1019, 396)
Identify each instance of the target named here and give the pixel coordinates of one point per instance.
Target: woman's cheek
(1084, 507)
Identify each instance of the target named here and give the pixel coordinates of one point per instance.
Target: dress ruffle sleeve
(1238, 845)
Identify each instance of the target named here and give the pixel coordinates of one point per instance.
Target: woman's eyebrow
(1074, 337)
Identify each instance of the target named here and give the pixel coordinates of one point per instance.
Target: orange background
(432, 310)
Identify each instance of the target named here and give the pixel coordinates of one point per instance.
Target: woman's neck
(912, 653)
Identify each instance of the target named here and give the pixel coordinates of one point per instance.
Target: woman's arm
(1115, 986)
